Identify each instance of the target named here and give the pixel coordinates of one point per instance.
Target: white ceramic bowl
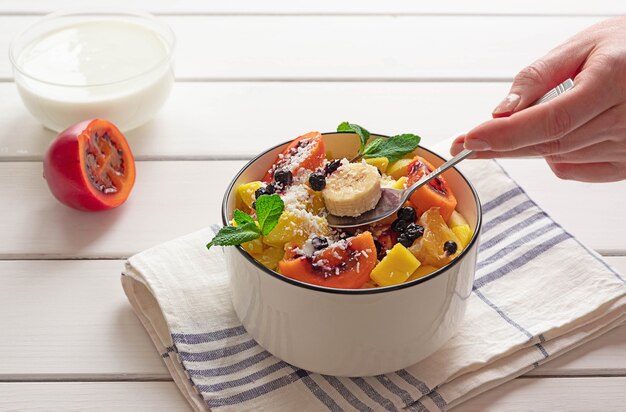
(346, 332)
(130, 75)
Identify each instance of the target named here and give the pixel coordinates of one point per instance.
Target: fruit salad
(281, 218)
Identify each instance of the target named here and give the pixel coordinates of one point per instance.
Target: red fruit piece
(335, 267)
(305, 152)
(436, 193)
(89, 166)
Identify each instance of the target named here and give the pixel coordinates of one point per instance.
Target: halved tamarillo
(436, 193)
(345, 266)
(89, 166)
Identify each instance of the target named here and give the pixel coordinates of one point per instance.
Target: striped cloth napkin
(538, 293)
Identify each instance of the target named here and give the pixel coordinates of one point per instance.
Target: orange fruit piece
(429, 248)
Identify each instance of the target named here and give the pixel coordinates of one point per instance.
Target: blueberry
(332, 166)
(254, 205)
(317, 181)
(407, 213)
(260, 192)
(414, 231)
(450, 247)
(270, 189)
(404, 241)
(399, 225)
(319, 243)
(283, 176)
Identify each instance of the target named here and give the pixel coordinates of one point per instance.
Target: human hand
(582, 133)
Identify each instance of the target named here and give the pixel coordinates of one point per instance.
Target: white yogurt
(116, 70)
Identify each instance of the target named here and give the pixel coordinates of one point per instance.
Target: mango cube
(464, 233)
(295, 227)
(246, 192)
(399, 168)
(253, 247)
(396, 267)
(421, 271)
(456, 219)
(400, 183)
(380, 163)
(271, 256)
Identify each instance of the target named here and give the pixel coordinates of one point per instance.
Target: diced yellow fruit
(400, 183)
(421, 271)
(254, 247)
(456, 219)
(271, 256)
(295, 228)
(398, 168)
(316, 202)
(464, 233)
(379, 162)
(396, 267)
(246, 192)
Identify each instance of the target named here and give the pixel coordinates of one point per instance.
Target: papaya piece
(304, 152)
(338, 266)
(436, 193)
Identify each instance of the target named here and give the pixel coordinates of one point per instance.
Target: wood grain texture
(239, 120)
(551, 394)
(71, 320)
(172, 198)
(351, 48)
(533, 7)
(92, 396)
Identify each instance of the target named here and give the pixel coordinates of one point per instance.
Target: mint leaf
(235, 235)
(393, 148)
(364, 135)
(242, 218)
(268, 211)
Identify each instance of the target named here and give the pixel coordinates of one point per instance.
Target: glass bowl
(76, 64)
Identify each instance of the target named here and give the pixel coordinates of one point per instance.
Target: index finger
(548, 121)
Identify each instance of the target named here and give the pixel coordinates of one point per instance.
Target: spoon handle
(557, 91)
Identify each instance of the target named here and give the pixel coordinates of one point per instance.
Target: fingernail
(506, 106)
(476, 144)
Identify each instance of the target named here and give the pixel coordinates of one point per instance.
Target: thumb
(535, 80)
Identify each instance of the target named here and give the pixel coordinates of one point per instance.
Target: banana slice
(352, 190)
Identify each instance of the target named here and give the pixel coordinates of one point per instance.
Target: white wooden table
(251, 74)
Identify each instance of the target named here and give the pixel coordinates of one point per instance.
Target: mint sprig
(268, 210)
(362, 132)
(393, 148)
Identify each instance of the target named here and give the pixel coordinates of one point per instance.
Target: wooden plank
(169, 199)
(71, 320)
(351, 48)
(174, 198)
(92, 396)
(537, 394)
(225, 120)
(552, 394)
(595, 222)
(533, 7)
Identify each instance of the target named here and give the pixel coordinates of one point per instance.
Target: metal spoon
(392, 199)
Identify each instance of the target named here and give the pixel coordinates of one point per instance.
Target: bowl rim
(368, 291)
(165, 32)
